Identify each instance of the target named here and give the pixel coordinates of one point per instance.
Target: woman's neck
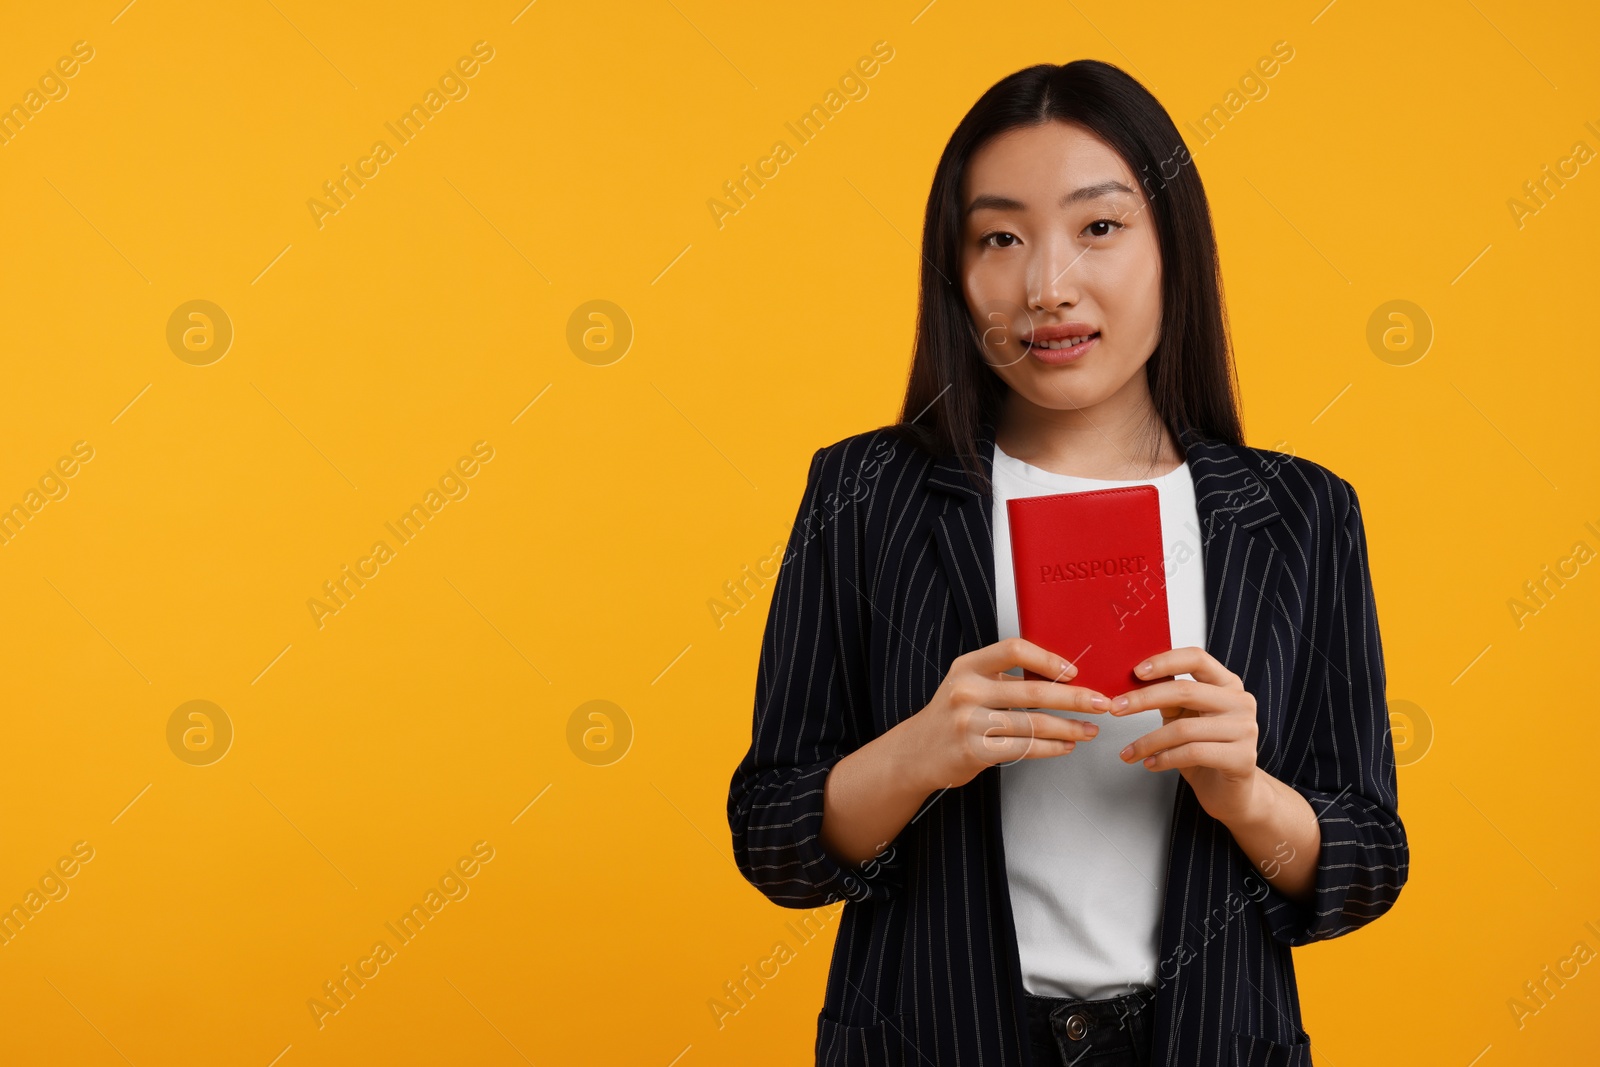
(1084, 443)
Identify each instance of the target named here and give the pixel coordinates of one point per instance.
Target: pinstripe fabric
(887, 579)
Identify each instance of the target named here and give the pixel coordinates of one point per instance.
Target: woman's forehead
(1047, 162)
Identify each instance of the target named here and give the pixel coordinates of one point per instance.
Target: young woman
(1034, 871)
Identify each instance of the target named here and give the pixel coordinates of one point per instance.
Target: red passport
(1092, 582)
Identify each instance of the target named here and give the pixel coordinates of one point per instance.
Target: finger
(999, 736)
(1182, 731)
(1044, 748)
(1213, 754)
(1003, 736)
(1032, 693)
(1002, 722)
(1191, 660)
(1061, 727)
(1002, 751)
(1011, 722)
(1180, 692)
(995, 659)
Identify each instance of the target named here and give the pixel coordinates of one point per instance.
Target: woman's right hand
(976, 718)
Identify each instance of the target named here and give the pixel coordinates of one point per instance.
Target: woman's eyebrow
(1088, 192)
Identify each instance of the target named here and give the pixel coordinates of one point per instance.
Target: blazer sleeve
(811, 691)
(1349, 777)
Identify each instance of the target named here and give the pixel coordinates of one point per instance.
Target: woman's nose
(1052, 281)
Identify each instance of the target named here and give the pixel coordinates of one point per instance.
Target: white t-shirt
(1086, 835)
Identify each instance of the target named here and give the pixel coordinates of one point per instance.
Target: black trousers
(1092, 1033)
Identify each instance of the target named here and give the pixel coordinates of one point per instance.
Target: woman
(1035, 871)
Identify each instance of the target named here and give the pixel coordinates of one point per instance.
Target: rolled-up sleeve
(1349, 777)
(810, 697)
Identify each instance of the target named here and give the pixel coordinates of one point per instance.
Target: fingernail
(1090, 728)
(1099, 702)
(1142, 668)
(1119, 703)
(1126, 753)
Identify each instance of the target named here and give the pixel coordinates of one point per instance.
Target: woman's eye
(1103, 222)
(992, 239)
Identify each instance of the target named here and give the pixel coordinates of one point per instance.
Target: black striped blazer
(889, 575)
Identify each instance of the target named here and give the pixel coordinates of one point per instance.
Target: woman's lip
(1061, 355)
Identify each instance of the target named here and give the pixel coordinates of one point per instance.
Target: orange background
(375, 346)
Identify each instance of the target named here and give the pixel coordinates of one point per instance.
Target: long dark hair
(952, 392)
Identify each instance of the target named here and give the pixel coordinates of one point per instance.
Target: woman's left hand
(1208, 729)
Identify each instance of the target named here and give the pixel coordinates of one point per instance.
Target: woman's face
(1058, 242)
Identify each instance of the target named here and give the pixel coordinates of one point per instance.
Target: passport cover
(1092, 582)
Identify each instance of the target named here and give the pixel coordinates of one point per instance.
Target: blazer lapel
(966, 542)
